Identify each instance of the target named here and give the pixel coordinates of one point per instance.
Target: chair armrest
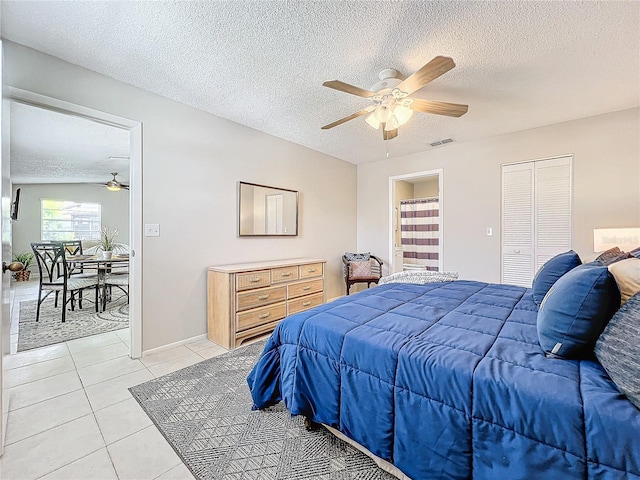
(380, 262)
(345, 267)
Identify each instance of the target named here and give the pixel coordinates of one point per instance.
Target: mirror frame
(240, 234)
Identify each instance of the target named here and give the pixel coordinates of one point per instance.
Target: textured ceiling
(50, 147)
(262, 63)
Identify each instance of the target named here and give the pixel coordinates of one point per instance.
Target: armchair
(361, 268)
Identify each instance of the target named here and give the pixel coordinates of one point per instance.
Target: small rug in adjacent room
(78, 324)
(204, 412)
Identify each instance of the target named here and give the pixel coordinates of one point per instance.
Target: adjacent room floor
(71, 415)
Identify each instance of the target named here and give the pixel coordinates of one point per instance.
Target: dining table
(117, 263)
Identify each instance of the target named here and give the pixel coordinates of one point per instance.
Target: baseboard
(174, 344)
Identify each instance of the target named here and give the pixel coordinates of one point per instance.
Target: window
(66, 220)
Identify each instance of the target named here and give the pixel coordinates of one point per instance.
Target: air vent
(441, 142)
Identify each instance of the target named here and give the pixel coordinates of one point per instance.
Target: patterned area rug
(204, 412)
(78, 324)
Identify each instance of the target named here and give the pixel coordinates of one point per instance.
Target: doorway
(134, 240)
(416, 236)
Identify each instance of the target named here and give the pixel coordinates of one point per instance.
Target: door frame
(392, 194)
(135, 193)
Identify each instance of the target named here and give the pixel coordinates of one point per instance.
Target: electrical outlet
(489, 232)
(151, 230)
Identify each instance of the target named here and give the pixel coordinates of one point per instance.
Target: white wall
(27, 229)
(426, 188)
(606, 189)
(191, 165)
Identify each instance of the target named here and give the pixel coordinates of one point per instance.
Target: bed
(448, 381)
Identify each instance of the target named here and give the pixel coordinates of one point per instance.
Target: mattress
(448, 381)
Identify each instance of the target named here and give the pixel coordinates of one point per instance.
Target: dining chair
(54, 277)
(118, 280)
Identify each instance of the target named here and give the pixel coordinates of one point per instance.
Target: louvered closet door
(552, 209)
(536, 216)
(517, 224)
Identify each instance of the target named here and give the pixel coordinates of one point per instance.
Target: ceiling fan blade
(389, 135)
(350, 117)
(439, 108)
(345, 87)
(432, 70)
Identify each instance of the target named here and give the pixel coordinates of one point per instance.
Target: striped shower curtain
(420, 232)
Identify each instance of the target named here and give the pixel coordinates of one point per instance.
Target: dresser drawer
(259, 316)
(259, 297)
(304, 288)
(255, 332)
(245, 281)
(304, 303)
(284, 274)
(311, 270)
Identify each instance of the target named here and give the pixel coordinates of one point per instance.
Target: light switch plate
(489, 232)
(151, 229)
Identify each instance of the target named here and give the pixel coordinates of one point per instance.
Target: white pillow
(627, 275)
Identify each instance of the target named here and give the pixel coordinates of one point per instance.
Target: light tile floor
(71, 415)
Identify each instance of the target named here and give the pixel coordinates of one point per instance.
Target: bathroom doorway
(416, 220)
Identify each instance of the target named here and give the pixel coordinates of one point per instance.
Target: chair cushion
(357, 257)
(618, 349)
(121, 279)
(551, 271)
(360, 270)
(575, 311)
(82, 282)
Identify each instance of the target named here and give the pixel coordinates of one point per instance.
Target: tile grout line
(79, 458)
(46, 399)
(51, 428)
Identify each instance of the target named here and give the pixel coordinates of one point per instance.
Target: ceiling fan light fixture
(373, 121)
(392, 124)
(402, 114)
(113, 185)
(383, 113)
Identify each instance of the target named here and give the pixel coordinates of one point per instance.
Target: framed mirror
(266, 211)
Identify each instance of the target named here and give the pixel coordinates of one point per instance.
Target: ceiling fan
(114, 185)
(392, 106)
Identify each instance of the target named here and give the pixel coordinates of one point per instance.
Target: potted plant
(26, 259)
(107, 241)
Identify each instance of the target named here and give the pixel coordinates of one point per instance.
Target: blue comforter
(448, 381)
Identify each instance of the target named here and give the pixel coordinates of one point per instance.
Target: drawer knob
(264, 315)
(263, 297)
(307, 287)
(311, 270)
(287, 274)
(306, 304)
(254, 280)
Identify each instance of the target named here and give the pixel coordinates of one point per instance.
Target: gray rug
(78, 324)
(204, 412)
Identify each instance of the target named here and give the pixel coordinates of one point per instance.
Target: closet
(536, 216)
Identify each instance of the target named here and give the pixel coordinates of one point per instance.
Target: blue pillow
(551, 271)
(575, 311)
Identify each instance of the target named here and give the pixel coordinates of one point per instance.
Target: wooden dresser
(249, 299)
